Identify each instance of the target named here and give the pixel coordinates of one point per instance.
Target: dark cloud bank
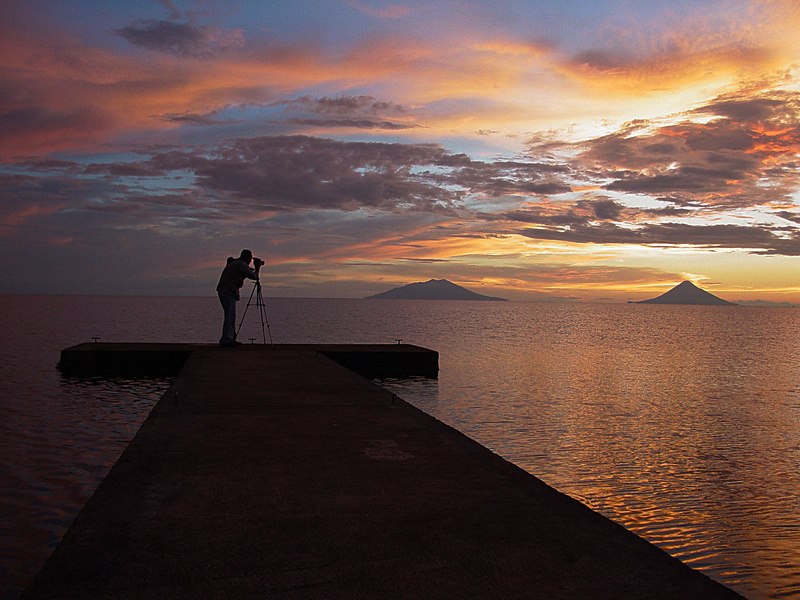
(692, 168)
(740, 155)
(744, 142)
(297, 172)
(355, 112)
(755, 239)
(179, 39)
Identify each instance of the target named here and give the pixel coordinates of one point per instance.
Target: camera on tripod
(257, 262)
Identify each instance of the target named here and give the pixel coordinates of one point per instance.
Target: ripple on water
(680, 423)
(64, 442)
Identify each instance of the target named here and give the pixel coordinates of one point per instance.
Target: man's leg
(229, 322)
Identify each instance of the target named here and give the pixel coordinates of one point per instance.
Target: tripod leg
(264, 320)
(260, 303)
(244, 314)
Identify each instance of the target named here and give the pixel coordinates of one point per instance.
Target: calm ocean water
(681, 423)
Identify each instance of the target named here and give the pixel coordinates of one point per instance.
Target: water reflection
(681, 423)
(65, 438)
(424, 390)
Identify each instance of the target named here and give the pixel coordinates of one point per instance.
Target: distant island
(433, 289)
(686, 293)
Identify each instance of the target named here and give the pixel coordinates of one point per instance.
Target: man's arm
(248, 273)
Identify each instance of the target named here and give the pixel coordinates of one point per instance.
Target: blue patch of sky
(576, 25)
(762, 217)
(235, 122)
(636, 200)
(95, 23)
(98, 157)
(494, 204)
(325, 20)
(571, 24)
(174, 180)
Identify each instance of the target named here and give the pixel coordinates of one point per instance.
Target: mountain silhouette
(687, 293)
(433, 289)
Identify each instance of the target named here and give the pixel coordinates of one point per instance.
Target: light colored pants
(229, 324)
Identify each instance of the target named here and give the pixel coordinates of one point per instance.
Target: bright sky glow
(529, 149)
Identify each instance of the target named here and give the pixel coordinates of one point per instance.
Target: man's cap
(246, 254)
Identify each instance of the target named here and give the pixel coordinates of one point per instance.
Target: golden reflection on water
(681, 423)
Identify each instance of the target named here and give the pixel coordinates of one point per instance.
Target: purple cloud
(760, 240)
(354, 123)
(344, 105)
(179, 39)
(722, 161)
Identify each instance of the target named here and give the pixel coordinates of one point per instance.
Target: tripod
(262, 311)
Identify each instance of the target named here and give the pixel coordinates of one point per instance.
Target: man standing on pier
(230, 282)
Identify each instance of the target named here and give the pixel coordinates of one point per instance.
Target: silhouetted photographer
(230, 282)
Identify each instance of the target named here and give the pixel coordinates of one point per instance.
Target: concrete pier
(369, 360)
(275, 472)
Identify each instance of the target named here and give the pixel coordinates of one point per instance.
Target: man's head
(246, 256)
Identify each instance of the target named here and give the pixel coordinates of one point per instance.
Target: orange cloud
(75, 95)
(31, 212)
(68, 95)
(684, 49)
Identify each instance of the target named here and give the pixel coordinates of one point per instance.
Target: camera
(258, 262)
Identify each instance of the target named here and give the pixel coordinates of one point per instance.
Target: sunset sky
(536, 150)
